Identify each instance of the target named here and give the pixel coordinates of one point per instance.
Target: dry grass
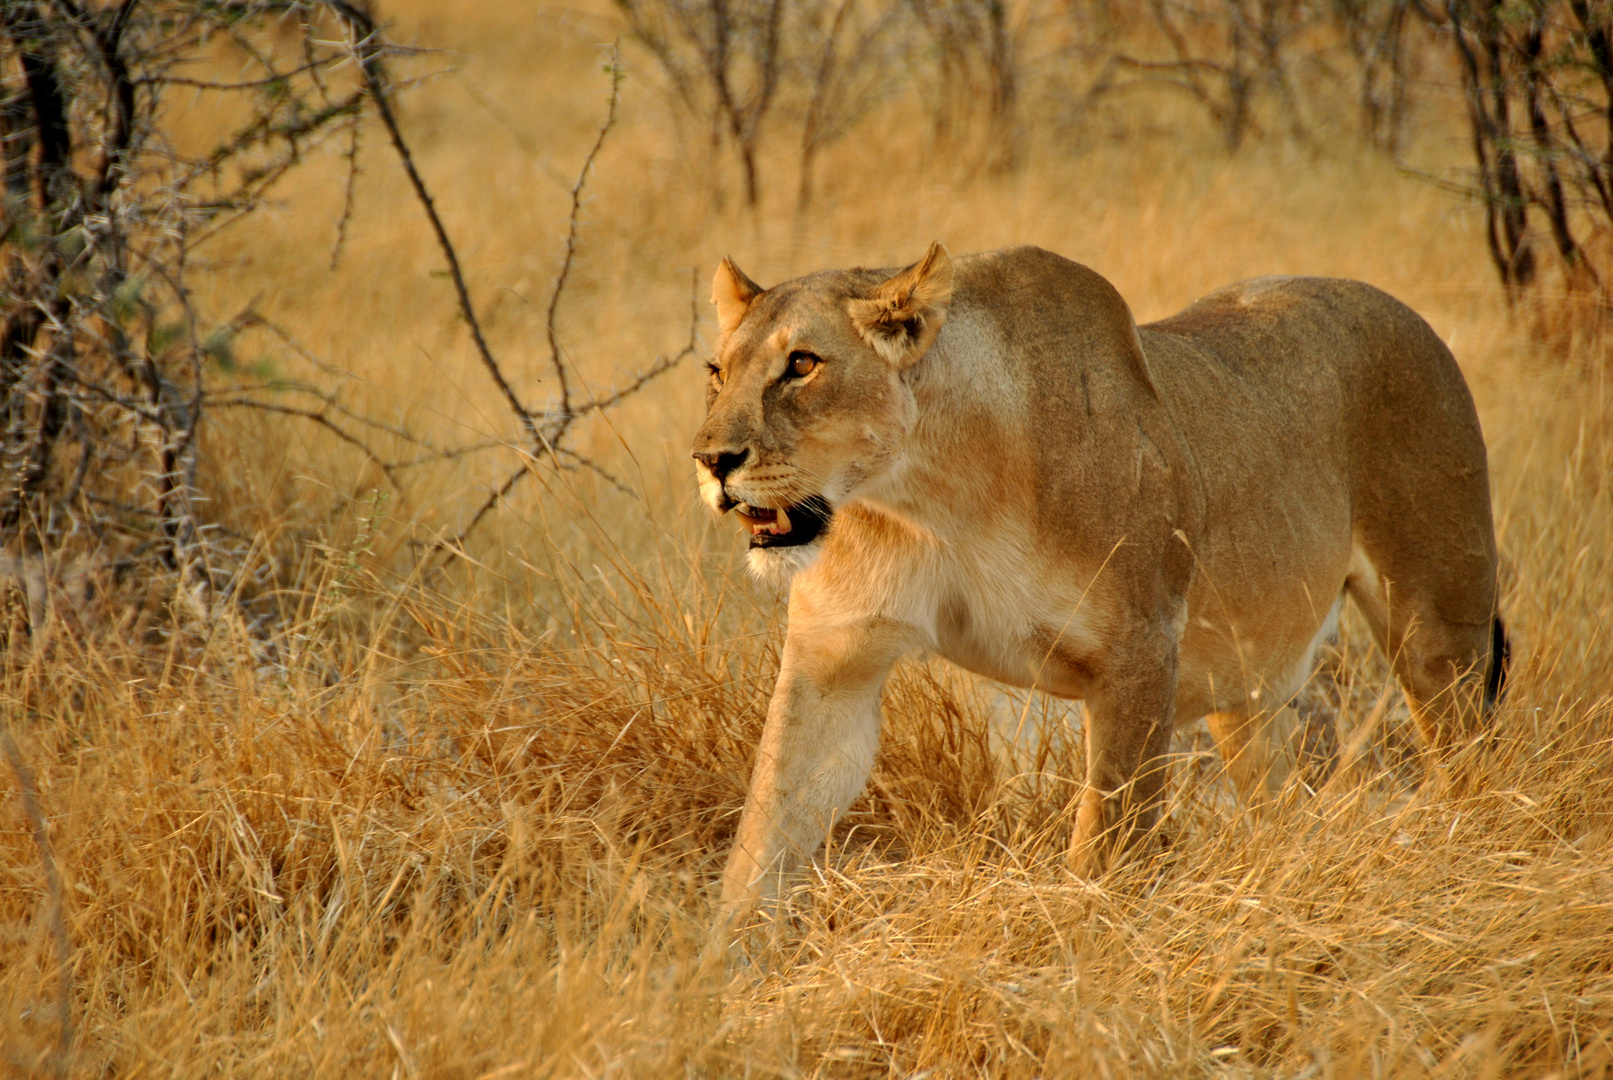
(464, 824)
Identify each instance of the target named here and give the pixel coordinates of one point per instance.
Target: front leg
(1128, 729)
(816, 750)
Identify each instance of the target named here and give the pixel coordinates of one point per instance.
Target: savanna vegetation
(378, 698)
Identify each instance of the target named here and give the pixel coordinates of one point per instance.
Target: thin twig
(451, 454)
(367, 48)
(351, 188)
(662, 365)
(596, 468)
(53, 885)
(278, 77)
(299, 348)
(430, 453)
(572, 222)
(496, 496)
(331, 402)
(500, 493)
(324, 422)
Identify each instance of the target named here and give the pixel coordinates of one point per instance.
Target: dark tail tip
(1495, 679)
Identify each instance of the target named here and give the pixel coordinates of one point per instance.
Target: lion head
(806, 404)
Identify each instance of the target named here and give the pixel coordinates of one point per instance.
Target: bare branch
(662, 364)
(600, 471)
(323, 421)
(367, 47)
(279, 77)
(350, 190)
(498, 495)
(572, 222)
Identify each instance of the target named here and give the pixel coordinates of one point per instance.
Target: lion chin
(777, 565)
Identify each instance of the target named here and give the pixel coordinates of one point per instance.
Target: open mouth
(789, 526)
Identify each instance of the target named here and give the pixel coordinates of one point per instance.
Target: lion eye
(716, 373)
(803, 364)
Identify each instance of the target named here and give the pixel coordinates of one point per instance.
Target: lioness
(989, 459)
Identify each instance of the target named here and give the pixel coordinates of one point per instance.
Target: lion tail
(1495, 678)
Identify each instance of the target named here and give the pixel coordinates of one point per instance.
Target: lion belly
(1259, 649)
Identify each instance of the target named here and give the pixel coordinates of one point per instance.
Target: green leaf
(164, 336)
(219, 347)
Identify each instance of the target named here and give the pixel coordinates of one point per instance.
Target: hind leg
(1256, 750)
(1128, 734)
(1439, 650)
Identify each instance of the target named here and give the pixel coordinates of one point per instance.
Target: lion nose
(722, 462)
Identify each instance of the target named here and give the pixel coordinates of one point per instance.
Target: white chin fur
(777, 566)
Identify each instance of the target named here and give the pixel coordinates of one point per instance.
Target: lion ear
(901, 317)
(732, 292)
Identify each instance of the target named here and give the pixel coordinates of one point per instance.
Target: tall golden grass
(463, 822)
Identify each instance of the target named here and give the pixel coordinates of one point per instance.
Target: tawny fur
(1159, 520)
